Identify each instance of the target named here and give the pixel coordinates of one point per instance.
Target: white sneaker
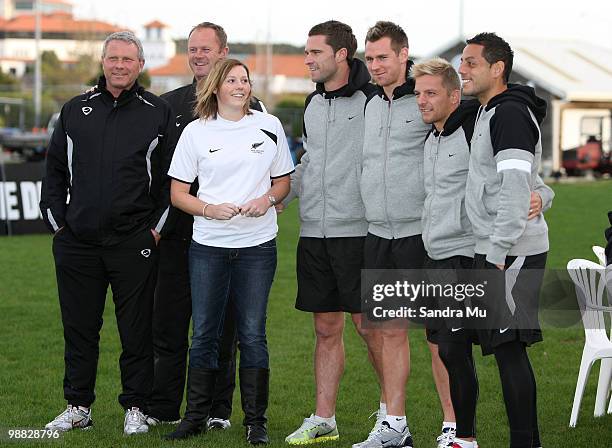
(312, 431)
(380, 417)
(217, 423)
(446, 439)
(387, 437)
(72, 418)
(135, 422)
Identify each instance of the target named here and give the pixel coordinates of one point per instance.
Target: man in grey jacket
(447, 232)
(504, 162)
(332, 221)
(393, 193)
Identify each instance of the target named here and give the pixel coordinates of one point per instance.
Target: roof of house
(57, 22)
(59, 2)
(571, 70)
(177, 66)
(290, 65)
(156, 24)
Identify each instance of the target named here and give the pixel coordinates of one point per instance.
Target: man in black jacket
(206, 44)
(105, 196)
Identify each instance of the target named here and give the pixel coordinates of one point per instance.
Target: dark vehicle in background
(31, 146)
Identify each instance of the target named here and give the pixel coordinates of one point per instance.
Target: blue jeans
(246, 275)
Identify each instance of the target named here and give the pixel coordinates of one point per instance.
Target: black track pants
(84, 272)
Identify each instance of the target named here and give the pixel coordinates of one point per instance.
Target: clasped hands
(252, 209)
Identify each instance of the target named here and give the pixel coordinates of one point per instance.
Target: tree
(7, 82)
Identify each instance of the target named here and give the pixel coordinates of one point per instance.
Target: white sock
(383, 409)
(452, 425)
(397, 422)
(331, 421)
(464, 443)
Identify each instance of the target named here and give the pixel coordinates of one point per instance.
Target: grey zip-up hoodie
(327, 179)
(392, 178)
(504, 164)
(447, 231)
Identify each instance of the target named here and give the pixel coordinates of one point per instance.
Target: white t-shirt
(234, 162)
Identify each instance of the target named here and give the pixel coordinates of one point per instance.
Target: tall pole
(37, 67)
(461, 30)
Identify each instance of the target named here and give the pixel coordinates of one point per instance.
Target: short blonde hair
(207, 105)
(438, 67)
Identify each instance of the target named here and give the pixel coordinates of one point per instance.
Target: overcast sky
(429, 23)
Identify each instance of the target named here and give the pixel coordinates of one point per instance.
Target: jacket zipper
(329, 105)
(433, 195)
(386, 157)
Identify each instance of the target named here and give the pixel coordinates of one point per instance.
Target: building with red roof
(61, 33)
(285, 73)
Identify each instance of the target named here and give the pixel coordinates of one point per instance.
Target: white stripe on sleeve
(69, 150)
(162, 220)
(514, 164)
(52, 220)
(152, 146)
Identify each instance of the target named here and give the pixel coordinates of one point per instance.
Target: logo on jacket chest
(86, 110)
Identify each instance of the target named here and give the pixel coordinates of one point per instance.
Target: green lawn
(31, 353)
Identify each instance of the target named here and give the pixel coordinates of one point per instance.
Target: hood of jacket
(522, 94)
(466, 109)
(358, 78)
(405, 89)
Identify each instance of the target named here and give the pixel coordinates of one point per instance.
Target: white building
(12, 8)
(158, 46)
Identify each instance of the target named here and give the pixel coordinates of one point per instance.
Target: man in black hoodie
(506, 149)
(105, 196)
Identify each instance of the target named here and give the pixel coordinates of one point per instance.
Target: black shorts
(439, 331)
(390, 254)
(527, 277)
(402, 253)
(329, 274)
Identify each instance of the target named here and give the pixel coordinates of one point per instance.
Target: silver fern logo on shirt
(256, 145)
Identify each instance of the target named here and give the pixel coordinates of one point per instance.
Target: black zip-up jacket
(180, 224)
(107, 163)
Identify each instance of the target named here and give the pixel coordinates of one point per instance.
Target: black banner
(19, 197)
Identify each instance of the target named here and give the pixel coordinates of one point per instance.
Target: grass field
(31, 354)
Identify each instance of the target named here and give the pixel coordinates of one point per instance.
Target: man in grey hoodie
(506, 149)
(332, 218)
(393, 193)
(447, 232)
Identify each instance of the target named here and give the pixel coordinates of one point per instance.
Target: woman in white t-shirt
(242, 162)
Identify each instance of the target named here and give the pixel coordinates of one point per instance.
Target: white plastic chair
(600, 253)
(589, 280)
(605, 370)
